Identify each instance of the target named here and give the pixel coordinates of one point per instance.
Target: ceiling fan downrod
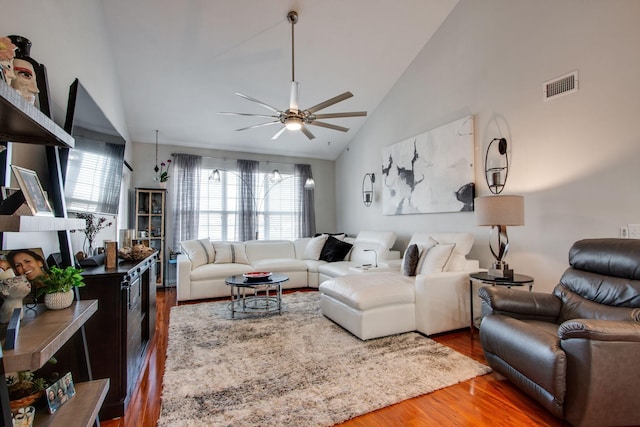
(292, 17)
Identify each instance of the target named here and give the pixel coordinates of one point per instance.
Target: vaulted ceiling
(179, 63)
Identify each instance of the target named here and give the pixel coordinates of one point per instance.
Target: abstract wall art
(431, 172)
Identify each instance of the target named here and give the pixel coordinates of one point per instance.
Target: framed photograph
(21, 261)
(60, 392)
(32, 190)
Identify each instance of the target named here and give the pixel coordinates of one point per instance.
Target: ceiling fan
(294, 118)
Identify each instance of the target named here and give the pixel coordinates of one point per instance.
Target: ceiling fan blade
(279, 133)
(306, 131)
(330, 102)
(293, 97)
(260, 125)
(265, 105)
(247, 114)
(329, 126)
(338, 115)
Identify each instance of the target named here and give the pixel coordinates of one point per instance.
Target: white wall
(69, 37)
(575, 158)
(322, 170)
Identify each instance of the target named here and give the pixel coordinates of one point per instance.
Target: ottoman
(370, 305)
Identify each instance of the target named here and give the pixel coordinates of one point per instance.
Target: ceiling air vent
(560, 86)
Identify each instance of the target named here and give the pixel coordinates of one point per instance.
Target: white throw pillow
(456, 262)
(314, 247)
(424, 249)
(230, 253)
(200, 252)
(436, 258)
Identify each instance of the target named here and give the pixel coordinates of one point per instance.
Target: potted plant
(24, 389)
(57, 286)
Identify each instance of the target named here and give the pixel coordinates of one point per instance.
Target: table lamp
(500, 212)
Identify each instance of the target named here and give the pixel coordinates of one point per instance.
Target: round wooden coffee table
(251, 296)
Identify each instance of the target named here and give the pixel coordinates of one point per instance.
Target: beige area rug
(296, 369)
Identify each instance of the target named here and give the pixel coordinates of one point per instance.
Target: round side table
(483, 277)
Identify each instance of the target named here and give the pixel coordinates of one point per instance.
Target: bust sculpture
(13, 291)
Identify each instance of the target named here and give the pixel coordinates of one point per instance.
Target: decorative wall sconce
(496, 165)
(367, 188)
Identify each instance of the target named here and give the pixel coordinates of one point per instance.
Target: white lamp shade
(499, 210)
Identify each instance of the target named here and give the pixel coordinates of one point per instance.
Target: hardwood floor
(489, 400)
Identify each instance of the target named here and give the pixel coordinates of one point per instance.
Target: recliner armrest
(520, 304)
(600, 330)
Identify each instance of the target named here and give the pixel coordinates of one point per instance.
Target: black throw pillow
(334, 250)
(410, 261)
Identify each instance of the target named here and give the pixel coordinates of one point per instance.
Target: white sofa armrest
(442, 301)
(183, 277)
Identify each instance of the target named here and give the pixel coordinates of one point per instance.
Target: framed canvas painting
(431, 172)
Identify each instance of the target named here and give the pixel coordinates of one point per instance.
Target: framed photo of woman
(32, 191)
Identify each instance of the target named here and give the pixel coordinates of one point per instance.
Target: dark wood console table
(119, 334)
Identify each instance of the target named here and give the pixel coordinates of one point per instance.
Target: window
(277, 206)
(94, 176)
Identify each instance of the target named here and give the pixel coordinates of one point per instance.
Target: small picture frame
(32, 190)
(60, 393)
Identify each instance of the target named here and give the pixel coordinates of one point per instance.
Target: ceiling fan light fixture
(293, 123)
(294, 118)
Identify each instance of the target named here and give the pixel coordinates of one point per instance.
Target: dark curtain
(306, 221)
(247, 218)
(186, 174)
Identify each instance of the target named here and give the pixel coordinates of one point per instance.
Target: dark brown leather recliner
(575, 351)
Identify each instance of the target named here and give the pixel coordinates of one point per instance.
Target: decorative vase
(89, 250)
(58, 300)
(23, 417)
(162, 184)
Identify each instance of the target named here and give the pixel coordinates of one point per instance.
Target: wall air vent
(560, 86)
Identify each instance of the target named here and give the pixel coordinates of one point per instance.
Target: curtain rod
(224, 159)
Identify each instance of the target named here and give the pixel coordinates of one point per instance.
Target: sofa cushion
(385, 239)
(335, 269)
(370, 290)
(230, 252)
(313, 265)
(436, 258)
(279, 264)
(200, 252)
(314, 247)
(335, 250)
(257, 250)
(218, 271)
(410, 260)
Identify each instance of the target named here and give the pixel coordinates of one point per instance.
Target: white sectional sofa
(203, 265)
(436, 299)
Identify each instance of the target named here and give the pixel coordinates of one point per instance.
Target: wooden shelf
(23, 122)
(20, 223)
(43, 332)
(81, 410)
